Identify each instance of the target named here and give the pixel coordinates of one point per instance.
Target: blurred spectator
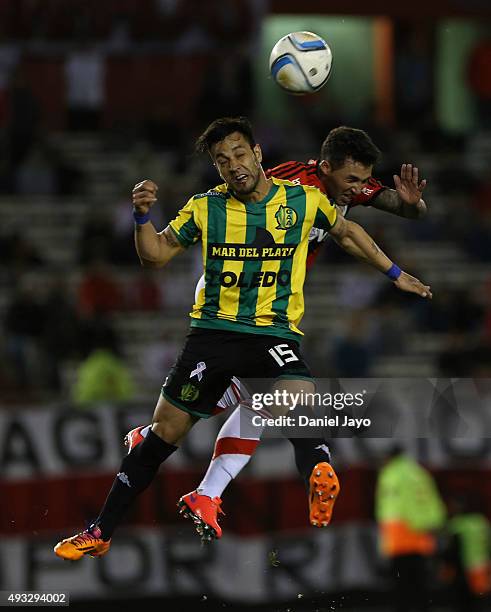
(408, 511)
(60, 332)
(123, 251)
(456, 356)
(231, 23)
(44, 20)
(192, 25)
(351, 355)
(479, 79)
(96, 236)
(481, 359)
(163, 133)
(18, 253)
(120, 36)
(477, 238)
(487, 309)
(23, 327)
(99, 292)
(144, 293)
(36, 175)
(476, 166)
(10, 52)
(103, 377)
(468, 556)
(24, 119)
(187, 24)
(391, 326)
(70, 179)
(414, 75)
(85, 86)
(97, 331)
(481, 202)
(228, 86)
(8, 390)
(358, 289)
(452, 311)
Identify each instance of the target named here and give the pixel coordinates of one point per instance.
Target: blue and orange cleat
(88, 542)
(204, 511)
(323, 491)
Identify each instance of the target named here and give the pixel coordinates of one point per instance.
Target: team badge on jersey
(189, 393)
(286, 217)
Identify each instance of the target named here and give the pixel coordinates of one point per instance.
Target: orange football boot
(88, 542)
(323, 491)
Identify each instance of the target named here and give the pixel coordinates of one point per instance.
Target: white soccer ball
(301, 62)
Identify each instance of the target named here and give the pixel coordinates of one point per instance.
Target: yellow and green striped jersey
(254, 256)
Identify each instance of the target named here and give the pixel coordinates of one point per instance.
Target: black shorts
(210, 358)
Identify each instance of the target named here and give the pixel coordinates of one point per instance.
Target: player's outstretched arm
(354, 240)
(406, 199)
(155, 249)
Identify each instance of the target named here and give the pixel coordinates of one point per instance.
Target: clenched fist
(144, 196)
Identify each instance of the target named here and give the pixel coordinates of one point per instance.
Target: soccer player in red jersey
(344, 174)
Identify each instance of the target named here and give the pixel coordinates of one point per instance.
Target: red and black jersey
(306, 174)
(298, 172)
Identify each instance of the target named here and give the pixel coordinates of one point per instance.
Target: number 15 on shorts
(282, 354)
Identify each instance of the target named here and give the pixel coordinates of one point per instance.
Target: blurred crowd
(59, 312)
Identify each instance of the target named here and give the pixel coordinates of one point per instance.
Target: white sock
(236, 442)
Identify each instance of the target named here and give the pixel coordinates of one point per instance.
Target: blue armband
(393, 272)
(139, 218)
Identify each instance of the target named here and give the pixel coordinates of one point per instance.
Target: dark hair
(343, 142)
(395, 450)
(220, 129)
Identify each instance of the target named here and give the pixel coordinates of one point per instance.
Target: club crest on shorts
(189, 393)
(286, 217)
(198, 371)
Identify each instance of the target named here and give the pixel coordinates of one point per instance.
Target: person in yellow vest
(103, 377)
(409, 511)
(469, 557)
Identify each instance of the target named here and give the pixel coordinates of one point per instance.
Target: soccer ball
(301, 62)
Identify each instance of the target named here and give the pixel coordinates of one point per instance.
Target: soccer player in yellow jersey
(254, 235)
